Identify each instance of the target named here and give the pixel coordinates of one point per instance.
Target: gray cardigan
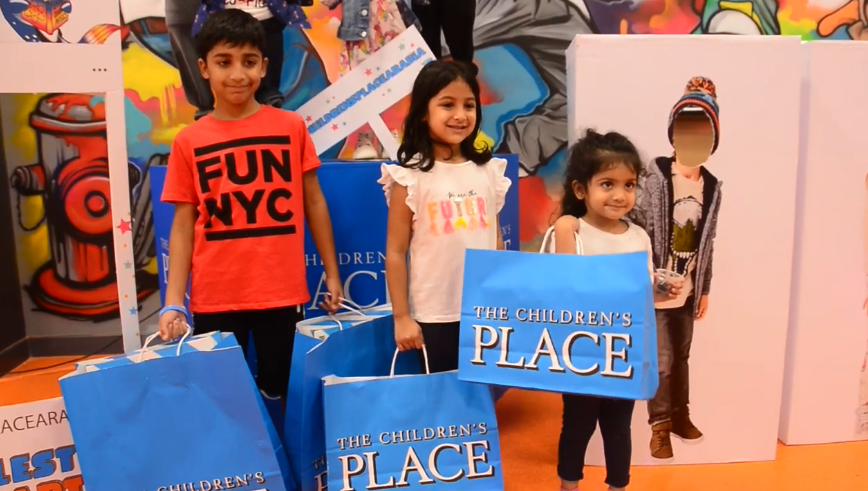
(654, 214)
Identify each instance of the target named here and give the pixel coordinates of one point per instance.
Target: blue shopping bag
(185, 414)
(561, 323)
(348, 344)
(413, 432)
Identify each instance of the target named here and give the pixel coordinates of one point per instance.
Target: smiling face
(234, 72)
(610, 195)
(452, 114)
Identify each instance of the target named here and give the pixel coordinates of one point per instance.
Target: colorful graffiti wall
(520, 50)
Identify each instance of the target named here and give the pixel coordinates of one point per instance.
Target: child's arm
(566, 228)
(179, 189)
(408, 335)
(180, 253)
(320, 224)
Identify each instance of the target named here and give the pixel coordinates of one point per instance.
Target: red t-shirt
(245, 178)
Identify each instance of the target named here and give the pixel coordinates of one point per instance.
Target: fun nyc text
(266, 159)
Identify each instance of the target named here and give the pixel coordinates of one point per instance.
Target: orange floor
(528, 448)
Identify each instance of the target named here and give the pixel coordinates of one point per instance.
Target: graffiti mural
(36, 21)
(520, 51)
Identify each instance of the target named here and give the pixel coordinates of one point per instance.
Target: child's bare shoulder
(567, 223)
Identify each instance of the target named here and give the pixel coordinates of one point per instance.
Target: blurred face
(452, 114)
(693, 138)
(611, 193)
(234, 72)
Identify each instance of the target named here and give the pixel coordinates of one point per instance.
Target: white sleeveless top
(455, 208)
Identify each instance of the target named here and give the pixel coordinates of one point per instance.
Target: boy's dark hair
(592, 154)
(233, 27)
(417, 149)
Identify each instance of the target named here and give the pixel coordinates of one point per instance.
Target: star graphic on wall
(368, 72)
(134, 311)
(334, 127)
(124, 226)
(412, 45)
(401, 46)
(128, 265)
(309, 119)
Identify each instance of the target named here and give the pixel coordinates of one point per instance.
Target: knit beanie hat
(699, 95)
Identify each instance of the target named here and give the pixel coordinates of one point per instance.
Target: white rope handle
(347, 303)
(336, 321)
(395, 361)
(580, 250)
(154, 336)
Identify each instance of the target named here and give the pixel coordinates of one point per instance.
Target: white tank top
(256, 8)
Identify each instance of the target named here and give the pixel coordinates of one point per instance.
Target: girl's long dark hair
(592, 154)
(417, 149)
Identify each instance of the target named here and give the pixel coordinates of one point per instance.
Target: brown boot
(683, 428)
(661, 444)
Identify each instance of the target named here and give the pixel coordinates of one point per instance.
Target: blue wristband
(175, 308)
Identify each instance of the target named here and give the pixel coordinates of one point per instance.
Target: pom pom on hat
(699, 94)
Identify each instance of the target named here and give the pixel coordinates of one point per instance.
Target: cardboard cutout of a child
(678, 207)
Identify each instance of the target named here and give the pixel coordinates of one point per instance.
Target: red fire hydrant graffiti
(72, 176)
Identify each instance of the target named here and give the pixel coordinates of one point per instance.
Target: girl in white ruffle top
(444, 196)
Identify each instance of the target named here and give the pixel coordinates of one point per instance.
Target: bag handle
(580, 250)
(353, 307)
(395, 361)
(154, 336)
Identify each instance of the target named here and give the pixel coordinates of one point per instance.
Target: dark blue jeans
(674, 338)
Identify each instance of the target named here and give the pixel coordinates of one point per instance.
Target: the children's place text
(616, 344)
(421, 460)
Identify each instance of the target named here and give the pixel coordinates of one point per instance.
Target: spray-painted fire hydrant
(72, 176)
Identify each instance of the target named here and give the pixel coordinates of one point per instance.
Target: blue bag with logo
(561, 323)
(411, 431)
(185, 414)
(349, 344)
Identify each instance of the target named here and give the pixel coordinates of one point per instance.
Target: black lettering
(270, 164)
(222, 212)
(250, 205)
(232, 168)
(250, 233)
(205, 175)
(271, 205)
(241, 143)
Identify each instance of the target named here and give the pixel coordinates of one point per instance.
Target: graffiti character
(737, 17)
(853, 16)
(679, 208)
(40, 21)
(528, 39)
(72, 177)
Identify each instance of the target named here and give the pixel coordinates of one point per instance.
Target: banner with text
(358, 213)
(414, 432)
(37, 453)
(562, 323)
(365, 92)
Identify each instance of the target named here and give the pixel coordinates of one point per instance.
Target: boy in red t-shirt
(242, 180)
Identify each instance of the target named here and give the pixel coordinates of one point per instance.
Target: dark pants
(674, 337)
(273, 333)
(180, 15)
(581, 414)
(269, 90)
(455, 19)
(441, 343)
